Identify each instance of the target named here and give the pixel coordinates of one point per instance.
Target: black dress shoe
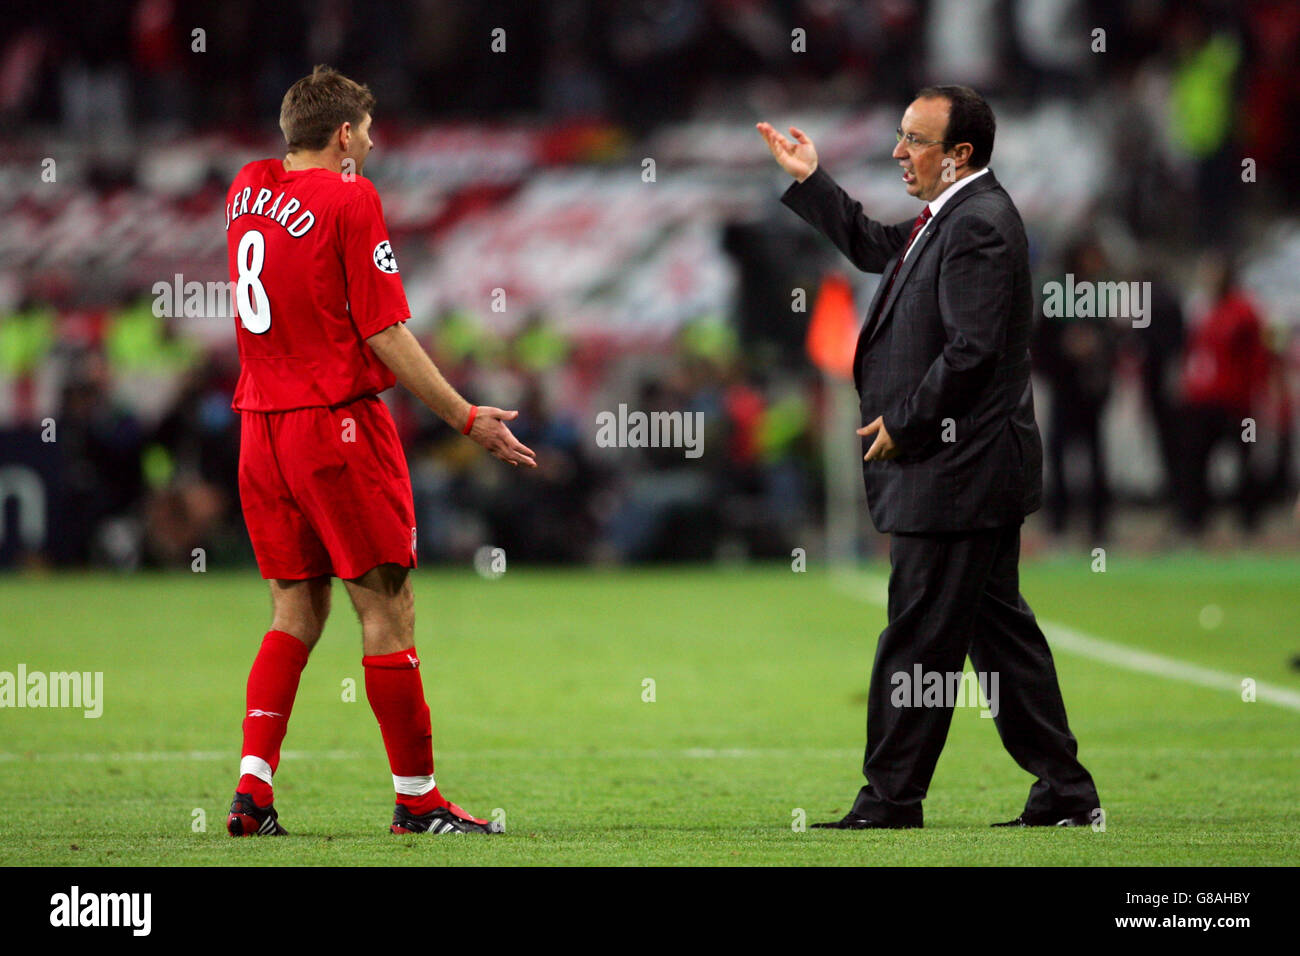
(1081, 819)
(852, 821)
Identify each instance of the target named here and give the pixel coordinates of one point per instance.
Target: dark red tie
(917, 226)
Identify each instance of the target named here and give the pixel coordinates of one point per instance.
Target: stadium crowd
(519, 176)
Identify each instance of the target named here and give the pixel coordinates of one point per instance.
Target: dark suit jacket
(951, 342)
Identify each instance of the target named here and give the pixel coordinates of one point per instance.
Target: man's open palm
(798, 158)
(490, 431)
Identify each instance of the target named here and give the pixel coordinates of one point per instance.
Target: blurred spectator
(1272, 94)
(1227, 361)
(95, 83)
(102, 443)
(193, 466)
(157, 44)
(26, 341)
(774, 257)
(654, 50)
(1053, 40)
(1076, 355)
(1160, 347)
(1202, 103)
(668, 503)
(965, 38)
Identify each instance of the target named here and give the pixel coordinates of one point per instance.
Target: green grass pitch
(537, 680)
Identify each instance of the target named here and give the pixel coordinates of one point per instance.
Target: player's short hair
(970, 120)
(319, 104)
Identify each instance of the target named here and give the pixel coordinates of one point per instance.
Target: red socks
(396, 695)
(272, 686)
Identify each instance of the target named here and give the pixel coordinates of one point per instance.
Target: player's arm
(397, 348)
(378, 307)
(820, 202)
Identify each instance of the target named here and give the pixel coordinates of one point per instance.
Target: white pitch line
(872, 589)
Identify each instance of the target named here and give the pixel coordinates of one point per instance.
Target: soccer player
(322, 477)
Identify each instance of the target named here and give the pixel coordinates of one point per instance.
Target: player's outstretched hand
(799, 158)
(491, 432)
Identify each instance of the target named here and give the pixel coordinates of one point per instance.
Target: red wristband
(473, 413)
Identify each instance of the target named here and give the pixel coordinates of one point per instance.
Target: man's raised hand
(799, 158)
(490, 431)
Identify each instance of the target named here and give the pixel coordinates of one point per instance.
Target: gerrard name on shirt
(297, 228)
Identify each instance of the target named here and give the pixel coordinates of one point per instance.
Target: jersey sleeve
(376, 299)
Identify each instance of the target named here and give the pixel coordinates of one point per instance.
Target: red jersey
(314, 277)
(1227, 360)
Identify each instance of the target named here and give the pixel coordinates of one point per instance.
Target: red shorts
(326, 490)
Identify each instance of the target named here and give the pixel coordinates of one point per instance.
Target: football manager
(953, 459)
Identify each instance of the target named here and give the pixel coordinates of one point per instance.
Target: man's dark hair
(320, 103)
(970, 120)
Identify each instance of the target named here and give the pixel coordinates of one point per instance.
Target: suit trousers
(953, 595)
